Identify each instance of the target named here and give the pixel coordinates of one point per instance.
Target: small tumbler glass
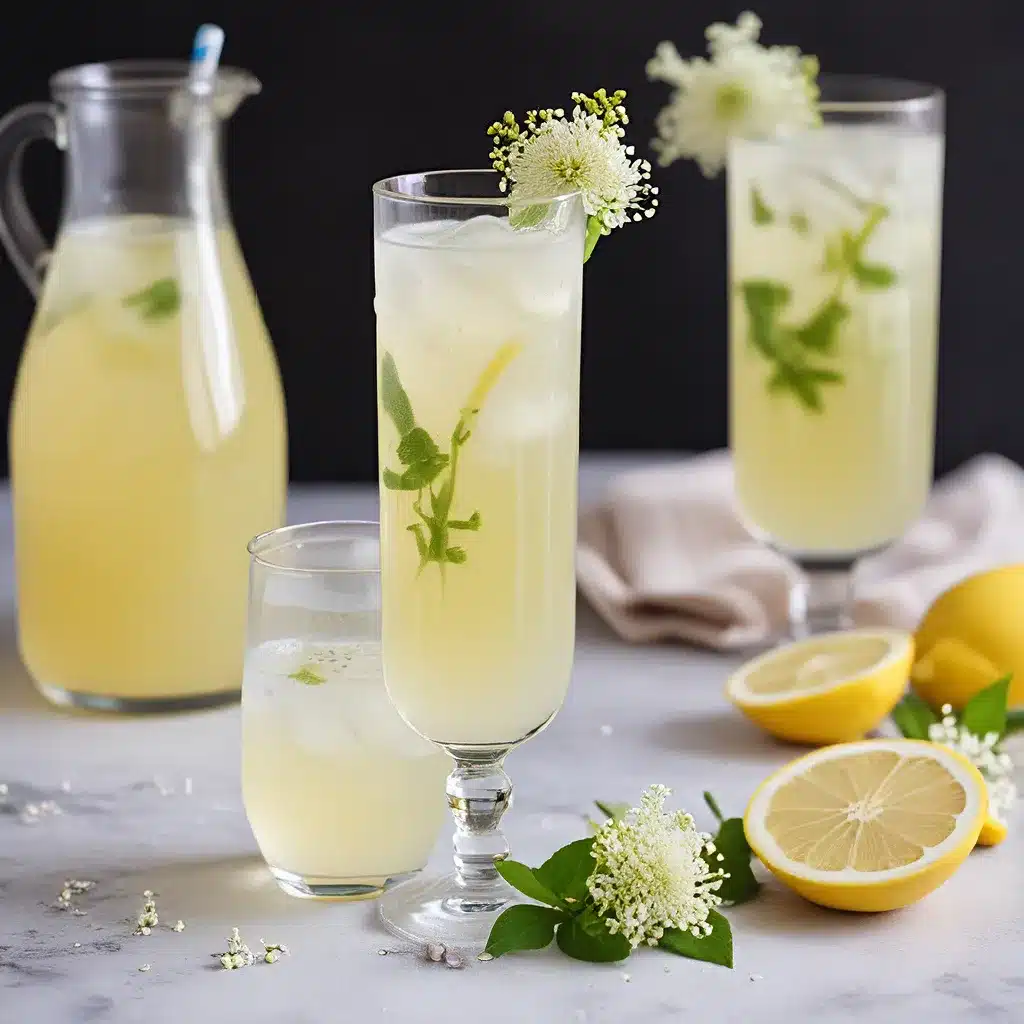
(344, 799)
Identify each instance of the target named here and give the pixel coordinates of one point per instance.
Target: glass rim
(144, 78)
(384, 189)
(916, 96)
(289, 535)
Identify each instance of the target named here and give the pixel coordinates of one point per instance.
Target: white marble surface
(957, 956)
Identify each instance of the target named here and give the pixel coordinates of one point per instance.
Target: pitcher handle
(19, 232)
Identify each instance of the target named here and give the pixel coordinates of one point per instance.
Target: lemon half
(868, 826)
(828, 689)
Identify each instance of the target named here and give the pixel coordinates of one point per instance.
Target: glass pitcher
(147, 431)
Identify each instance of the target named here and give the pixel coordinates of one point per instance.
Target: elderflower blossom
(744, 89)
(552, 155)
(238, 954)
(983, 752)
(148, 919)
(651, 873)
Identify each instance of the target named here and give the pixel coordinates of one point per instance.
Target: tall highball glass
(478, 353)
(834, 251)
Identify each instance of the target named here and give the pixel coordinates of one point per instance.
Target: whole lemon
(971, 636)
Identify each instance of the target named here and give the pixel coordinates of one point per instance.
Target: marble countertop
(155, 804)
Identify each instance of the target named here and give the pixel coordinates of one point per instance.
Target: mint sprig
(158, 301)
(428, 470)
(796, 350)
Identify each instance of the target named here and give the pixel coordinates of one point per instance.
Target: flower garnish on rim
(551, 155)
(744, 89)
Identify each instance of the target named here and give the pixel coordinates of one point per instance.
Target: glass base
(440, 910)
(312, 887)
(64, 698)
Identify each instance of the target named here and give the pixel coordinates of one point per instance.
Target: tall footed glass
(834, 251)
(147, 433)
(478, 344)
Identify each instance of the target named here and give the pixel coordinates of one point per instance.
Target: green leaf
(985, 712)
(455, 555)
(595, 229)
(575, 941)
(764, 301)
(308, 676)
(1014, 722)
(874, 275)
(527, 216)
(421, 542)
(523, 926)
(521, 877)
(395, 481)
(421, 475)
(417, 446)
(731, 842)
(615, 811)
(592, 922)
(157, 301)
(472, 523)
(715, 948)
(713, 807)
(759, 209)
(791, 378)
(821, 332)
(799, 223)
(393, 397)
(566, 871)
(820, 375)
(912, 716)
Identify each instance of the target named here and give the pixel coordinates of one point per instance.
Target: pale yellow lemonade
(478, 331)
(336, 786)
(834, 269)
(147, 446)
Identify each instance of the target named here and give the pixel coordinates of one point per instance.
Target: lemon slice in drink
(828, 689)
(868, 826)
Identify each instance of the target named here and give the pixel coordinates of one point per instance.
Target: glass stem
(479, 793)
(821, 603)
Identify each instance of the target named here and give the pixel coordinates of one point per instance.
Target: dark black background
(354, 93)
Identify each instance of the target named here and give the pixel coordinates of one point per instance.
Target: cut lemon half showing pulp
(827, 689)
(868, 826)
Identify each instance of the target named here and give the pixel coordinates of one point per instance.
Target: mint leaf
(615, 811)
(874, 275)
(714, 808)
(158, 301)
(799, 223)
(523, 926)
(455, 555)
(421, 541)
(395, 481)
(715, 948)
(731, 842)
(418, 446)
(308, 675)
(521, 877)
(527, 216)
(566, 871)
(821, 332)
(764, 300)
(759, 209)
(472, 523)
(393, 397)
(595, 229)
(985, 712)
(1014, 722)
(912, 716)
(575, 941)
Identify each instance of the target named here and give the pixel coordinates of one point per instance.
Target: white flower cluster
(983, 752)
(586, 156)
(651, 873)
(744, 89)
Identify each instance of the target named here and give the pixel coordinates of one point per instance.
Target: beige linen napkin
(664, 556)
